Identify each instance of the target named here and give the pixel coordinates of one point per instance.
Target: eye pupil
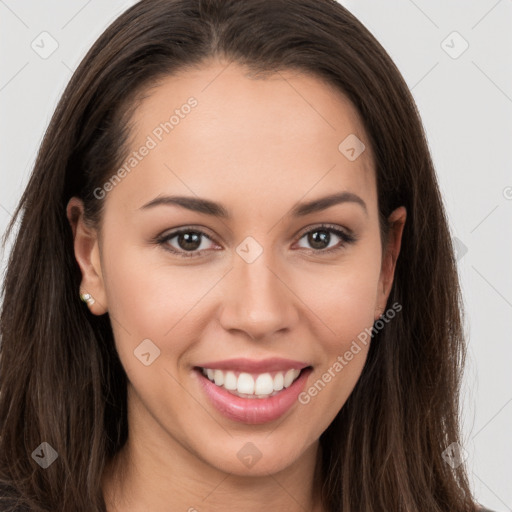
(191, 240)
(323, 238)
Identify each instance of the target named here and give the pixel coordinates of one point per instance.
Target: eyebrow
(209, 207)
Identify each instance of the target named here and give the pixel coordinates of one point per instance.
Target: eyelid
(325, 225)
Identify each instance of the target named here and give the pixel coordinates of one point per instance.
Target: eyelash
(345, 237)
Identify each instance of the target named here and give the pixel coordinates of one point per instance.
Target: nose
(258, 299)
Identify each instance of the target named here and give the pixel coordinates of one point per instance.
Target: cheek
(151, 299)
(343, 296)
(344, 299)
(161, 305)
(342, 356)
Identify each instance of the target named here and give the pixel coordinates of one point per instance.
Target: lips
(253, 391)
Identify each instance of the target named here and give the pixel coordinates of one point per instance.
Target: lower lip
(253, 410)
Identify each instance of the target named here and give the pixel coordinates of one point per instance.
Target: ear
(87, 254)
(396, 226)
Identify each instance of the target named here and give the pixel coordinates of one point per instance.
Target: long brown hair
(61, 381)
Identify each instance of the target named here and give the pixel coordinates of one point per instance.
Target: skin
(258, 147)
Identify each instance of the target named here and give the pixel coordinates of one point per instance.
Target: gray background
(466, 104)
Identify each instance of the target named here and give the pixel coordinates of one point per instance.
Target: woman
(233, 286)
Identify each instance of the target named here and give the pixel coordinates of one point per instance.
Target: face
(264, 287)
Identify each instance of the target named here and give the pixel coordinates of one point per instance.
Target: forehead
(277, 136)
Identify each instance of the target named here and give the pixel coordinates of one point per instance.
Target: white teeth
(252, 386)
(278, 381)
(290, 376)
(264, 384)
(218, 377)
(230, 381)
(245, 384)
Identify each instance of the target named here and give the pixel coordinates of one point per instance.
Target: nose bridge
(257, 302)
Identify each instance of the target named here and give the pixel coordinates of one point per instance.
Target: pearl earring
(87, 298)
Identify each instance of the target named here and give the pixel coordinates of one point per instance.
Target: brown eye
(327, 239)
(185, 242)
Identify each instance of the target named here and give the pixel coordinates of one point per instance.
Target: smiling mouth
(252, 385)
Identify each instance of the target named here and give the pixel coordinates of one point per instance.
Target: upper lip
(255, 366)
